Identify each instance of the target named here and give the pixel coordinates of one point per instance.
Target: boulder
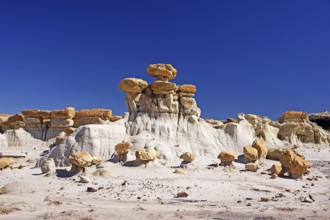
(162, 72)
(81, 159)
(145, 155)
(274, 154)
(276, 169)
(293, 116)
(5, 162)
(187, 88)
(133, 85)
(188, 157)
(253, 167)
(261, 147)
(293, 163)
(123, 147)
(162, 88)
(67, 113)
(227, 156)
(250, 153)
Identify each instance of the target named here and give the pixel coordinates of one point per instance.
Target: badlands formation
(162, 160)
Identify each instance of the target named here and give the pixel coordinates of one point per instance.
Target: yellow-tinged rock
(81, 159)
(250, 153)
(96, 160)
(296, 164)
(274, 154)
(146, 154)
(261, 147)
(123, 147)
(5, 162)
(188, 157)
(44, 114)
(160, 87)
(253, 167)
(133, 85)
(115, 118)
(293, 116)
(69, 130)
(227, 156)
(67, 113)
(276, 169)
(59, 139)
(162, 71)
(187, 88)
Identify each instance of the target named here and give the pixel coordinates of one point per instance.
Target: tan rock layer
(133, 85)
(162, 70)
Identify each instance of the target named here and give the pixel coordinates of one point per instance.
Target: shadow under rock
(62, 173)
(133, 163)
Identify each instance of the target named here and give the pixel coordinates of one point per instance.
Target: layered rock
(296, 128)
(161, 97)
(293, 164)
(322, 119)
(92, 116)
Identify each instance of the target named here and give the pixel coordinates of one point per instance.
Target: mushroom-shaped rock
(133, 85)
(250, 153)
(293, 163)
(162, 88)
(187, 88)
(122, 150)
(79, 161)
(261, 147)
(162, 72)
(188, 157)
(145, 155)
(5, 162)
(226, 157)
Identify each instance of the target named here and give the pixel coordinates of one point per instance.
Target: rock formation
(122, 150)
(293, 164)
(322, 119)
(5, 162)
(226, 157)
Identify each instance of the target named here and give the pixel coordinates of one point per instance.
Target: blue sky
(262, 57)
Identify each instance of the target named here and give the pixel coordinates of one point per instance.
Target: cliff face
(321, 119)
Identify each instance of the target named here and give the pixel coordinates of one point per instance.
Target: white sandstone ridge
(40, 128)
(165, 116)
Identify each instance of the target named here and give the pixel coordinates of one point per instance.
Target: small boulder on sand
(226, 157)
(188, 157)
(145, 155)
(250, 153)
(253, 167)
(5, 162)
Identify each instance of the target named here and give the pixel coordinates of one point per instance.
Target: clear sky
(262, 57)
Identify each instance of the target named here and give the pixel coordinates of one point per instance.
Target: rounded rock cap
(162, 71)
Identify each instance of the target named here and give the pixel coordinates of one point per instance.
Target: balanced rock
(226, 156)
(5, 162)
(163, 72)
(261, 147)
(59, 139)
(69, 130)
(162, 88)
(133, 85)
(188, 157)
(293, 116)
(146, 155)
(187, 88)
(81, 159)
(123, 147)
(250, 153)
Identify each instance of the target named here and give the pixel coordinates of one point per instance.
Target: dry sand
(151, 192)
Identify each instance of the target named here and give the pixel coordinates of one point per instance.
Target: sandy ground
(151, 192)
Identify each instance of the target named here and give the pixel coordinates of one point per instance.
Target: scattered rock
(48, 166)
(179, 171)
(5, 162)
(250, 153)
(84, 179)
(276, 169)
(253, 167)
(182, 195)
(261, 147)
(91, 189)
(188, 157)
(227, 157)
(264, 199)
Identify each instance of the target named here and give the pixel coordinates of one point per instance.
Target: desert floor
(151, 192)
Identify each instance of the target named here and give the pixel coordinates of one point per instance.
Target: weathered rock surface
(162, 72)
(145, 155)
(322, 119)
(133, 85)
(81, 159)
(5, 162)
(250, 153)
(293, 163)
(261, 147)
(123, 147)
(252, 167)
(226, 156)
(188, 157)
(48, 166)
(293, 116)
